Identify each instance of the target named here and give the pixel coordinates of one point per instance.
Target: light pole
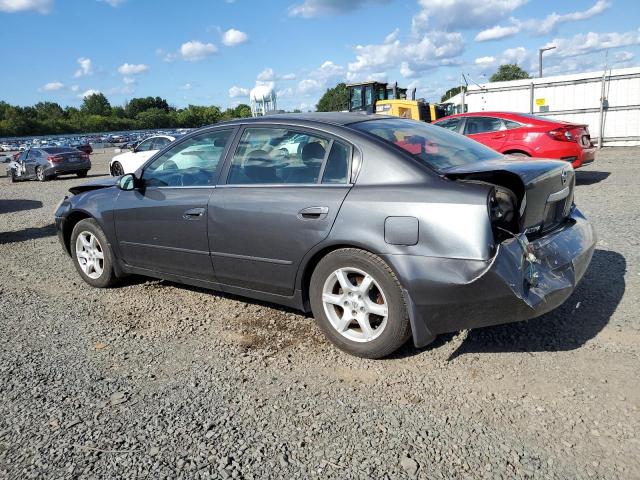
(540, 57)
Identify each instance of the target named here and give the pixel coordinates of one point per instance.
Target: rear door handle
(499, 135)
(193, 214)
(313, 213)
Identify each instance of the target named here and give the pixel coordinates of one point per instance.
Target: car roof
(327, 118)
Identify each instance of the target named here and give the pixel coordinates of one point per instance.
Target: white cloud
(498, 32)
(86, 93)
(129, 80)
(324, 8)
(233, 37)
(406, 71)
(414, 56)
(329, 69)
(266, 75)
(75, 88)
(53, 86)
(132, 69)
(288, 76)
(461, 14)
(235, 92)
(590, 42)
(186, 86)
(485, 61)
(309, 85)
(12, 6)
(541, 27)
(285, 93)
(113, 3)
(85, 67)
(195, 50)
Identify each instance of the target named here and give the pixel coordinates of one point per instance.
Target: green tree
(509, 71)
(96, 104)
(334, 99)
(452, 92)
(138, 105)
(154, 118)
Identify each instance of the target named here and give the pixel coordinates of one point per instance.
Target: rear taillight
(55, 159)
(564, 134)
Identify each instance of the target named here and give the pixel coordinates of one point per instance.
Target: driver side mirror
(128, 182)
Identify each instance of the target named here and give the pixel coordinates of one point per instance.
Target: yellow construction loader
(378, 97)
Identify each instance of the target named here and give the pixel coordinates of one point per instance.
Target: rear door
(489, 131)
(278, 201)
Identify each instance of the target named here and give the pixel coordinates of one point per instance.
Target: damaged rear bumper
(520, 282)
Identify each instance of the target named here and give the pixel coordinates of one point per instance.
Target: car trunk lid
(545, 192)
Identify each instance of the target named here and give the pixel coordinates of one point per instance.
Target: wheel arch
(516, 150)
(70, 222)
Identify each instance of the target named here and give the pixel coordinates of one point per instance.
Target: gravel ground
(157, 380)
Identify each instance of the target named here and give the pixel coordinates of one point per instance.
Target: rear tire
(82, 173)
(12, 176)
(91, 254)
(357, 302)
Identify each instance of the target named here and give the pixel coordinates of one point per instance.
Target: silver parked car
(49, 162)
(384, 228)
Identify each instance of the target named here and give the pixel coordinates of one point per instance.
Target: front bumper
(448, 295)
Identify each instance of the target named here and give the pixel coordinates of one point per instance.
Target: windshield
(433, 146)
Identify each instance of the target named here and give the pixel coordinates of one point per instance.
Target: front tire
(357, 302)
(116, 169)
(82, 173)
(91, 254)
(40, 174)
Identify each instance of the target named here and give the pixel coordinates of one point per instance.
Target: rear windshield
(55, 150)
(433, 146)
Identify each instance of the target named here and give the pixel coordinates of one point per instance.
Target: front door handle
(193, 214)
(313, 213)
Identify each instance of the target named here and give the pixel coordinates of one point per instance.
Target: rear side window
(159, 143)
(476, 125)
(511, 124)
(451, 124)
(336, 169)
(270, 155)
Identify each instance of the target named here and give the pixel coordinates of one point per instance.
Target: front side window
(159, 143)
(450, 124)
(278, 156)
(193, 162)
(437, 148)
(356, 98)
(145, 145)
(477, 125)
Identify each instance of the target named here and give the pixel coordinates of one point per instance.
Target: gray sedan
(384, 228)
(46, 163)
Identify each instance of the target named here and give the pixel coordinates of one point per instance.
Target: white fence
(574, 98)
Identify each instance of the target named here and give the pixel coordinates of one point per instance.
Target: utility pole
(540, 52)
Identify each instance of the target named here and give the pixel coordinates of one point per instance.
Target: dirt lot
(157, 380)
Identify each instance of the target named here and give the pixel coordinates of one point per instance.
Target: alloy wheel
(89, 254)
(355, 304)
(40, 173)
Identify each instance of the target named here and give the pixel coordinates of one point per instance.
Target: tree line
(96, 114)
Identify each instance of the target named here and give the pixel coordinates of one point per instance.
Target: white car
(129, 162)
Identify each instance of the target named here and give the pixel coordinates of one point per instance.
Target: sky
(213, 52)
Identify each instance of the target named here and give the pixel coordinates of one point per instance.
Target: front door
(283, 191)
(162, 226)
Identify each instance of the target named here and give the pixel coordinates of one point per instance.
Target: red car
(525, 135)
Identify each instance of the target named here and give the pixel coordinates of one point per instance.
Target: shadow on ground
(31, 233)
(18, 205)
(585, 177)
